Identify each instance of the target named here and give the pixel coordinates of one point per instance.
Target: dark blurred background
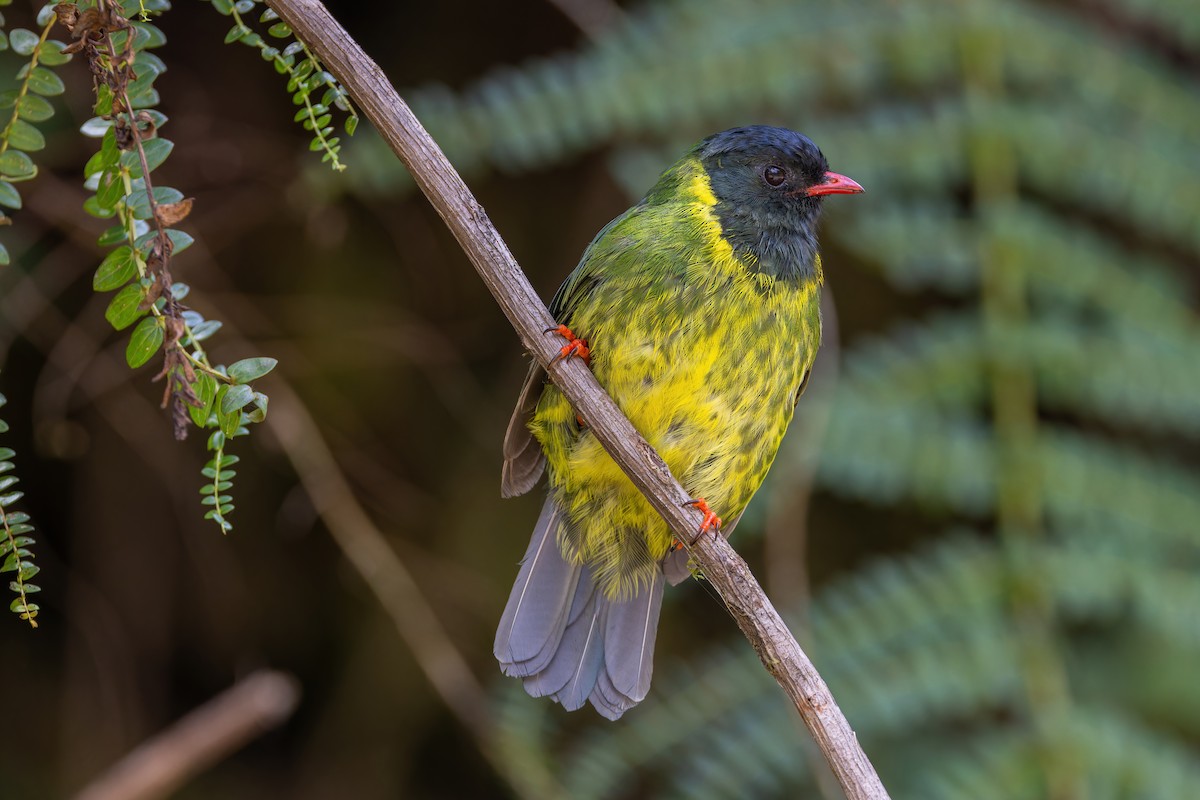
(983, 524)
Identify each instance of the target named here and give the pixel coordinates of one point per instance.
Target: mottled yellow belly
(709, 376)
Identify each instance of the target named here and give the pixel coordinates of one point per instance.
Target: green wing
(524, 461)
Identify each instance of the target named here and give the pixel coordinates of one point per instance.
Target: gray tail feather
(533, 621)
(569, 642)
(676, 567)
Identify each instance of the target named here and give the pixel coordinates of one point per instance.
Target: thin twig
(367, 549)
(160, 766)
(724, 569)
(370, 554)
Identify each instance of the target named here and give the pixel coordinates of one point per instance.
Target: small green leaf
(319, 122)
(235, 33)
(203, 331)
(95, 127)
(45, 82)
(104, 98)
(99, 162)
(150, 62)
(143, 84)
(180, 241)
(7, 481)
(250, 369)
(16, 166)
(235, 398)
(139, 204)
(351, 125)
(117, 269)
(92, 206)
(10, 563)
(52, 54)
(146, 339)
(116, 235)
(156, 151)
(259, 412)
(145, 100)
(148, 35)
(280, 30)
(110, 190)
(23, 42)
(24, 136)
(223, 6)
(9, 196)
(124, 309)
(205, 388)
(34, 108)
(4, 261)
(230, 423)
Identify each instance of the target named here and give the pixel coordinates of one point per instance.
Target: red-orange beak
(835, 184)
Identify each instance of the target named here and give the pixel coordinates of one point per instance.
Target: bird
(698, 310)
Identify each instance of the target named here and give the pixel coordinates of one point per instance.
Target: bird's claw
(574, 346)
(710, 522)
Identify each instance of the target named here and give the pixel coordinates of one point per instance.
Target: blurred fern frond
(1089, 113)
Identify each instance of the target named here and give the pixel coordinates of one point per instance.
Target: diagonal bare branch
(462, 213)
(158, 767)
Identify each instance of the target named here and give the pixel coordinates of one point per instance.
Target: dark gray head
(769, 183)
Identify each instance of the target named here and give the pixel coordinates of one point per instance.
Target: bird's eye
(774, 175)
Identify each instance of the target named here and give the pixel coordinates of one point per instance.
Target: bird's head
(769, 183)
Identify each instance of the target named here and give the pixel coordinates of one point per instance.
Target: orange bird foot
(711, 520)
(574, 346)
